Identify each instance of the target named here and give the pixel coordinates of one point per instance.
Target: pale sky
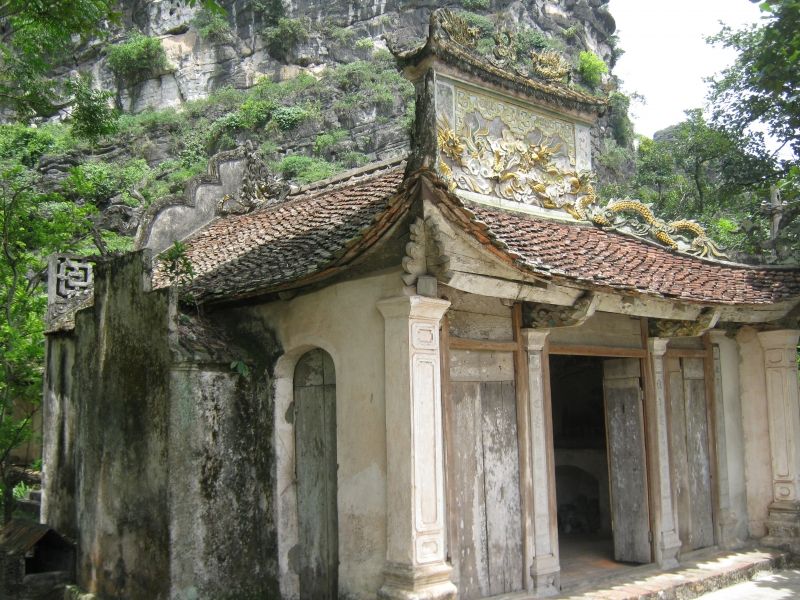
(666, 57)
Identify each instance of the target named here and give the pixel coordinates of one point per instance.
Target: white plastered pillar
(415, 552)
(541, 543)
(729, 436)
(783, 407)
(668, 543)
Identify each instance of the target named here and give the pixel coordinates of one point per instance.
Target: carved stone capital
(535, 340)
(658, 346)
(548, 316)
(783, 339)
(413, 307)
(669, 328)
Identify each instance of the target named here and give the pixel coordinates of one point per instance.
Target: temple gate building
(432, 377)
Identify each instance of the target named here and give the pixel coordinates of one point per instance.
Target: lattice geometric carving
(71, 277)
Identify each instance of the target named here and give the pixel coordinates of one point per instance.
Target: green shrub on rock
(306, 169)
(137, 59)
(284, 36)
(289, 117)
(591, 68)
(476, 4)
(213, 26)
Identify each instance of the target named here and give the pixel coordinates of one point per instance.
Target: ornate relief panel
(494, 147)
(509, 154)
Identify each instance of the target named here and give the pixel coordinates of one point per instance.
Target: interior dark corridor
(581, 466)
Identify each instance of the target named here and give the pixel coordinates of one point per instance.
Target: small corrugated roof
(18, 536)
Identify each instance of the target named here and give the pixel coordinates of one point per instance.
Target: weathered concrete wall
(343, 320)
(59, 428)
(222, 541)
(158, 456)
(120, 396)
(757, 457)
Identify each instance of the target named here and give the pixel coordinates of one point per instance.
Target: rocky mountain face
(311, 83)
(335, 32)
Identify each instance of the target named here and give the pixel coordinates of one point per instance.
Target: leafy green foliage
(137, 59)
(696, 170)
(762, 88)
(177, 266)
(305, 168)
(98, 182)
(621, 126)
(33, 35)
(289, 117)
(591, 68)
(21, 490)
(213, 26)
(365, 44)
(32, 225)
(484, 25)
(476, 4)
(91, 117)
(284, 36)
(528, 40)
(328, 139)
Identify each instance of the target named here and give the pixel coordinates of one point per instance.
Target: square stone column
(541, 540)
(729, 434)
(415, 552)
(668, 543)
(783, 407)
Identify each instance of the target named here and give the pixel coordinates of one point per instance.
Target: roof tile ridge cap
(374, 169)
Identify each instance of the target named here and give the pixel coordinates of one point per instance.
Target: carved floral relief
(501, 150)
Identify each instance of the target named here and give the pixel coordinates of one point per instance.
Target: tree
(700, 171)
(32, 225)
(763, 87)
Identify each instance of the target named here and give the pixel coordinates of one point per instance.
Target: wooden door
(484, 475)
(690, 461)
(315, 464)
(630, 515)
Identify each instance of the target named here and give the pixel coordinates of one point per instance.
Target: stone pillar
(415, 536)
(668, 543)
(729, 435)
(541, 538)
(783, 408)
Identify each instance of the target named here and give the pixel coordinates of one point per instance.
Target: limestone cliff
(310, 83)
(335, 32)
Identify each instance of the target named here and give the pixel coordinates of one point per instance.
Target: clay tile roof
(320, 227)
(588, 255)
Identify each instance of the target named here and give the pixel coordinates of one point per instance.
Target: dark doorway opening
(598, 442)
(581, 464)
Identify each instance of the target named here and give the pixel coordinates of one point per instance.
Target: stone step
(699, 574)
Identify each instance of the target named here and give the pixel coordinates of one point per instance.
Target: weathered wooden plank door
(315, 463)
(630, 515)
(484, 474)
(690, 460)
